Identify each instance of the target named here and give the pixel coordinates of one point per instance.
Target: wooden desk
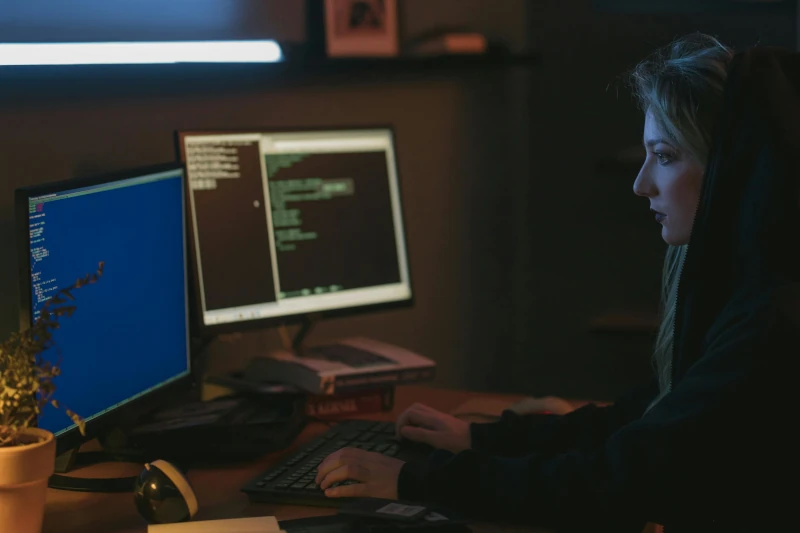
(218, 489)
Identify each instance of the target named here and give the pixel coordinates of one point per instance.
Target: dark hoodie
(717, 453)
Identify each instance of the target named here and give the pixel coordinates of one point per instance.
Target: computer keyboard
(292, 480)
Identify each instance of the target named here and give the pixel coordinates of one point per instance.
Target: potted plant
(27, 453)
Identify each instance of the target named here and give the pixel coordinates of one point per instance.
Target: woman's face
(670, 178)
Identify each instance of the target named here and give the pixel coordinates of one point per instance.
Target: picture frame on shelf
(361, 28)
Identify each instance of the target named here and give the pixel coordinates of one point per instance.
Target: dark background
(522, 226)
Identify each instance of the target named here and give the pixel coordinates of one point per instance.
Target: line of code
(332, 219)
(230, 215)
(288, 222)
(43, 287)
(130, 331)
(210, 161)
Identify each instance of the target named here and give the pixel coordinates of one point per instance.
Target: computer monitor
(292, 224)
(126, 347)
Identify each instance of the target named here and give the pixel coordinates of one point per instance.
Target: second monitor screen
(291, 223)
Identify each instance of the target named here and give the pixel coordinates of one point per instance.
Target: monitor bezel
(262, 323)
(127, 414)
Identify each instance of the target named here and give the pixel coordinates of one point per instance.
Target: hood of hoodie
(745, 241)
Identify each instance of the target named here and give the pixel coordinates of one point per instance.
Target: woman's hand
(375, 473)
(424, 424)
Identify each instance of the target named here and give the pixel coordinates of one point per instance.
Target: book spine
(356, 403)
(389, 378)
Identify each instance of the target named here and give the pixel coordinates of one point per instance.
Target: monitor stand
(73, 459)
(309, 321)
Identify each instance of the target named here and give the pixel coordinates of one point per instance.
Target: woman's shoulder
(771, 312)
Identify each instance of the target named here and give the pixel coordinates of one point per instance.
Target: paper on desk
(258, 524)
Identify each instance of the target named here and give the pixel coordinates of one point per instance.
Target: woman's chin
(672, 239)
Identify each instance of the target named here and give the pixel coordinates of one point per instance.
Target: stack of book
(349, 377)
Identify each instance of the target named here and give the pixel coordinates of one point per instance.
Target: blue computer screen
(129, 334)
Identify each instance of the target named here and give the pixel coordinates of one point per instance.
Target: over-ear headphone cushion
(163, 494)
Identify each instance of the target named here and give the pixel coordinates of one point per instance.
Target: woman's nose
(643, 185)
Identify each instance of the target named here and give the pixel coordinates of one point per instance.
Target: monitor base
(74, 459)
(86, 484)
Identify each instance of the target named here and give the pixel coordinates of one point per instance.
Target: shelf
(70, 81)
(294, 65)
(416, 63)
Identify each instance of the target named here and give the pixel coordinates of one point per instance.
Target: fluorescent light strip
(122, 53)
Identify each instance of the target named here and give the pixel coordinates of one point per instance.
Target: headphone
(163, 494)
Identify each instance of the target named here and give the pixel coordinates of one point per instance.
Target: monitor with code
(294, 223)
(129, 336)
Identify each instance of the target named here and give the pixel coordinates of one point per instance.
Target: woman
(705, 445)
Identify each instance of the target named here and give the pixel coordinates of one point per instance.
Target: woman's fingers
(331, 463)
(356, 490)
(343, 473)
(402, 420)
(418, 434)
(417, 415)
(371, 474)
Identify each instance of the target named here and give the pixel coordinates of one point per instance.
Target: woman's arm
(708, 451)
(516, 435)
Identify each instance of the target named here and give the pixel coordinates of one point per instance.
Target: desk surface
(218, 489)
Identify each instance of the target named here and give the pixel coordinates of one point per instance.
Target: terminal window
(333, 222)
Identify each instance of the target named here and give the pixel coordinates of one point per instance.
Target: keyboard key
(367, 437)
(384, 427)
(350, 434)
(297, 458)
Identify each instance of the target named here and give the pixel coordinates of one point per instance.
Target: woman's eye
(663, 159)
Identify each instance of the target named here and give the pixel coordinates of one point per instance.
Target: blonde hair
(681, 86)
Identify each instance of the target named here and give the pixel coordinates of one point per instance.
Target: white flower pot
(24, 471)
